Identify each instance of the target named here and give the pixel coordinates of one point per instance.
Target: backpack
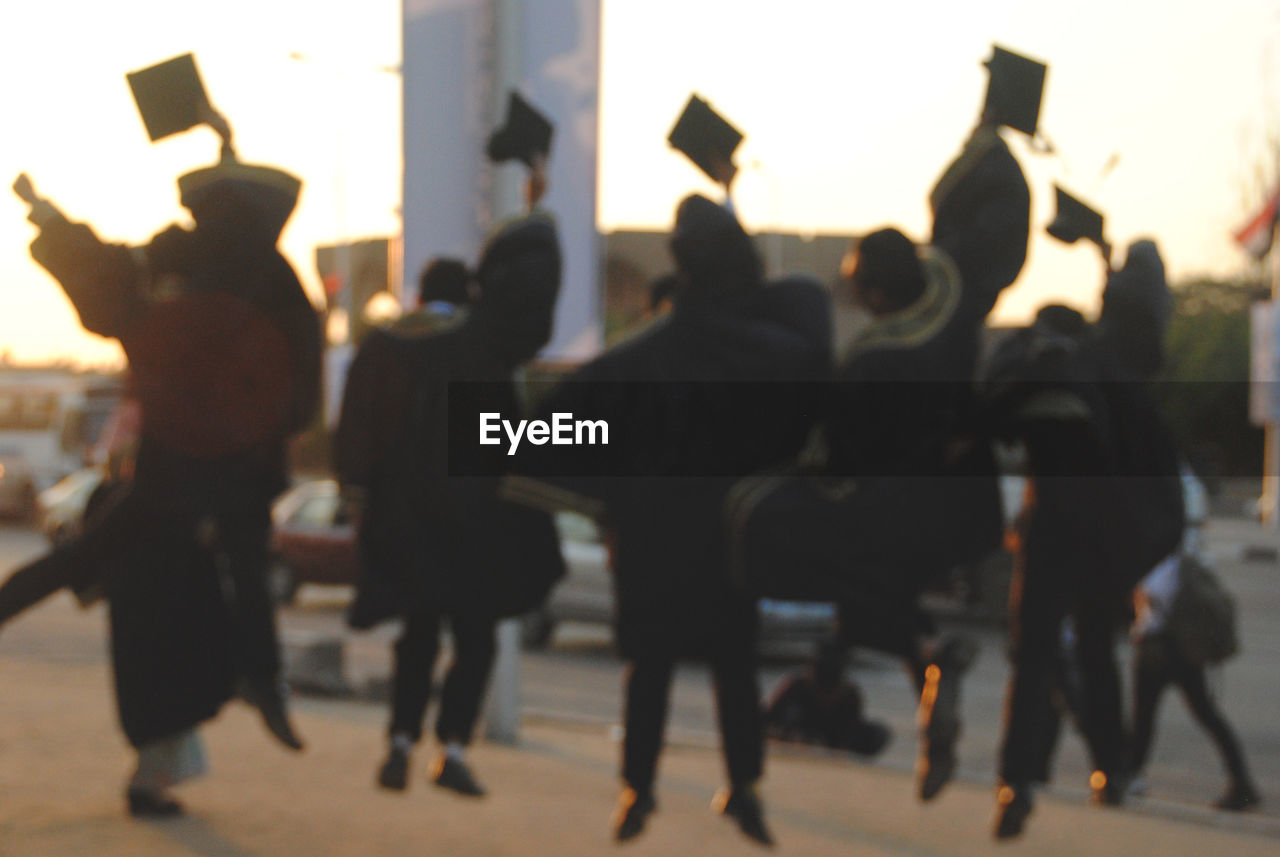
(1202, 619)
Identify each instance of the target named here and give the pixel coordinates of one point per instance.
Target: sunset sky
(850, 114)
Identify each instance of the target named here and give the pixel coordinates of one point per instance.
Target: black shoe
(742, 805)
(455, 775)
(151, 803)
(1109, 789)
(1239, 798)
(869, 738)
(1013, 807)
(270, 700)
(939, 714)
(633, 810)
(277, 722)
(394, 773)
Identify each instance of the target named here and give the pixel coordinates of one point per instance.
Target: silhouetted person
(821, 706)
(678, 399)
(1160, 661)
(426, 538)
(1105, 508)
(224, 350)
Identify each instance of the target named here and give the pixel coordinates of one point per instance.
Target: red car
(312, 540)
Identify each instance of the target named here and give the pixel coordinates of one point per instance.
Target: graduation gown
(429, 539)
(225, 351)
(723, 386)
(890, 501)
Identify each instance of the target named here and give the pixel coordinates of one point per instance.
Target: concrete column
(502, 720)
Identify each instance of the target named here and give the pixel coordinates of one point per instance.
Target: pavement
(552, 794)
(63, 763)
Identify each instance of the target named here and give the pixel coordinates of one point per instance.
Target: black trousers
(1157, 663)
(732, 656)
(1047, 588)
(474, 647)
(1065, 700)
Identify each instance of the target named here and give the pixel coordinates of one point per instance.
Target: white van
(49, 421)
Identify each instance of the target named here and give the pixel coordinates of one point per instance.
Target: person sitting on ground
(821, 706)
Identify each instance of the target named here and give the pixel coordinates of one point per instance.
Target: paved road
(579, 678)
(61, 758)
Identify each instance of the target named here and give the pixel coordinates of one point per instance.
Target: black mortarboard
(270, 194)
(170, 96)
(703, 135)
(1075, 220)
(524, 133)
(1014, 90)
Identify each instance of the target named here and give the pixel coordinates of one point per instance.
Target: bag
(1203, 617)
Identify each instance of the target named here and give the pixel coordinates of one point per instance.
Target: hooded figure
(224, 351)
(1136, 308)
(706, 393)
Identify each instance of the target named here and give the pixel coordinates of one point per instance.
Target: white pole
(502, 721)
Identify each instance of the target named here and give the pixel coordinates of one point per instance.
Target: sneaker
(151, 803)
(633, 810)
(743, 805)
(454, 774)
(394, 773)
(1013, 808)
(1109, 789)
(939, 714)
(1239, 798)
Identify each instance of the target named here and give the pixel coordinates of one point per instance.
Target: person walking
(1159, 661)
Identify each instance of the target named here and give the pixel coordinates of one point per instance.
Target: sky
(850, 114)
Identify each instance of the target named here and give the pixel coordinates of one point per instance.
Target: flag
(1255, 237)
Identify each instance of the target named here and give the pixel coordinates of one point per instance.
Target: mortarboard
(1075, 220)
(524, 133)
(271, 192)
(170, 96)
(704, 135)
(1014, 90)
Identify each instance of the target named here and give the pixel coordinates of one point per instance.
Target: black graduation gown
(715, 390)
(891, 501)
(171, 619)
(430, 539)
(1108, 492)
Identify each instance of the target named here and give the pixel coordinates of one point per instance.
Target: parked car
(313, 542)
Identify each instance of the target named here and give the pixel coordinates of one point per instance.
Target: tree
(1205, 381)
